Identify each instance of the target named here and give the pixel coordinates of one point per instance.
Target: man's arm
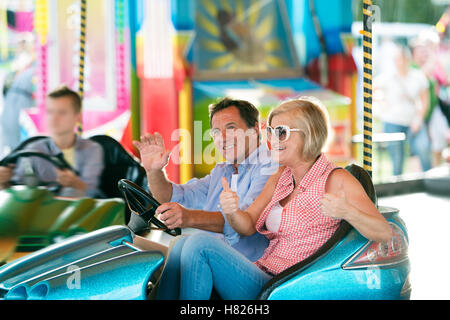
(154, 158)
(159, 185)
(175, 215)
(186, 207)
(425, 103)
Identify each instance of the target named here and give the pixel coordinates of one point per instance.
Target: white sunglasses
(282, 132)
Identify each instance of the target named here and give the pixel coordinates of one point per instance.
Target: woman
(298, 210)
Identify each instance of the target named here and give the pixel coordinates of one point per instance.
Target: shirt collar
(316, 171)
(54, 149)
(258, 156)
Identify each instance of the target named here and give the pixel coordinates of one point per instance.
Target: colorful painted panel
(107, 63)
(239, 36)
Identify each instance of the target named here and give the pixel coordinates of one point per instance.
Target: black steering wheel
(144, 206)
(58, 161)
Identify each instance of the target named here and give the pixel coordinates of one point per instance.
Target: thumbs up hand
(228, 199)
(335, 205)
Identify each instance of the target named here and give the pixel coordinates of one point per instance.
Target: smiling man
(196, 204)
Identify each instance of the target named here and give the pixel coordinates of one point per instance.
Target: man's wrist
(189, 217)
(154, 171)
(156, 176)
(213, 221)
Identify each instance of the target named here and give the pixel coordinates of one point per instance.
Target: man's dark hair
(248, 111)
(64, 91)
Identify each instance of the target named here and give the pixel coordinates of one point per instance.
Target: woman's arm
(346, 199)
(244, 221)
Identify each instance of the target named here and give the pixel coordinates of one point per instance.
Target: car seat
(119, 164)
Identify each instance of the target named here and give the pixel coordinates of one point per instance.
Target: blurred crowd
(412, 96)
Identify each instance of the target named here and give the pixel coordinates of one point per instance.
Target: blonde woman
(298, 210)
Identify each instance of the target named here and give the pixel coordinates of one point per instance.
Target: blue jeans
(200, 262)
(419, 144)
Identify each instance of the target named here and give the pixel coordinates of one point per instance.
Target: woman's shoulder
(337, 175)
(340, 177)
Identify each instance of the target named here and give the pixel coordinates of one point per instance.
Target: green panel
(201, 117)
(34, 219)
(17, 207)
(103, 214)
(74, 212)
(44, 216)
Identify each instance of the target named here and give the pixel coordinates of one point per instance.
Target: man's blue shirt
(204, 194)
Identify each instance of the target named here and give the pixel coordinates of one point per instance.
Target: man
(63, 112)
(196, 204)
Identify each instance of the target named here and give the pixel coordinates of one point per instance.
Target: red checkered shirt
(303, 228)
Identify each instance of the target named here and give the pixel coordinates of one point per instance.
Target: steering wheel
(144, 206)
(58, 161)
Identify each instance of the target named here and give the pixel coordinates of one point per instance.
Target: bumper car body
(352, 269)
(101, 265)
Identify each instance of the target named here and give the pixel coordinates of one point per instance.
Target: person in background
(63, 112)
(425, 50)
(18, 95)
(17, 89)
(404, 93)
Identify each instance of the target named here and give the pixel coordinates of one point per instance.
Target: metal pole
(367, 52)
(83, 14)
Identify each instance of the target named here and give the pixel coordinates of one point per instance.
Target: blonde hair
(311, 117)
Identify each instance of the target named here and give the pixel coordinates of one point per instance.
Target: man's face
(61, 116)
(233, 139)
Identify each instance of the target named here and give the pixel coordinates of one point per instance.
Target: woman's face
(286, 152)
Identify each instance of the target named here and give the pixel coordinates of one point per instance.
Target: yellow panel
(265, 28)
